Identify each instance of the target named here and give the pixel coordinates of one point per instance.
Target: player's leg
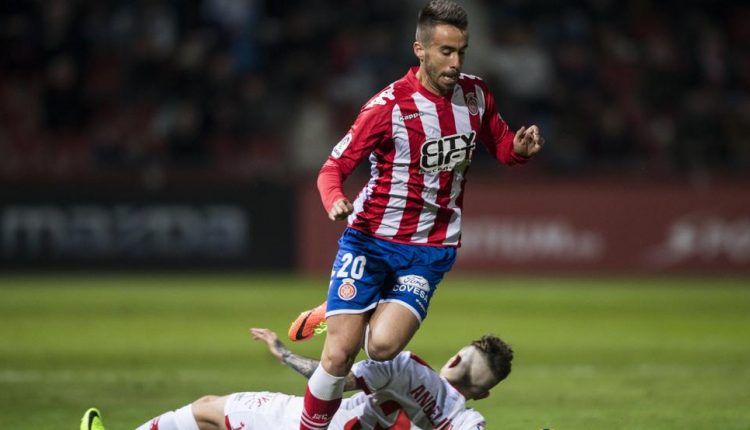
(206, 413)
(406, 299)
(391, 328)
(325, 388)
(343, 342)
(356, 281)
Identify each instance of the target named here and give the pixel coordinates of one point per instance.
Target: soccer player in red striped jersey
(419, 135)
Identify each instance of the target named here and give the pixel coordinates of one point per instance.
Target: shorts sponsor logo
(471, 103)
(415, 284)
(347, 290)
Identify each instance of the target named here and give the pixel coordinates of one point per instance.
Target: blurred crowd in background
(247, 89)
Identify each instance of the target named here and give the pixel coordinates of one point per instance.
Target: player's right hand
(341, 209)
(271, 339)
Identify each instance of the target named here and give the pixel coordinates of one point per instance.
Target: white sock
(325, 386)
(322, 399)
(181, 419)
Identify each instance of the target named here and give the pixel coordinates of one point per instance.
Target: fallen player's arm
(303, 365)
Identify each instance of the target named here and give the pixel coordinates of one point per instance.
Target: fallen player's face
(445, 56)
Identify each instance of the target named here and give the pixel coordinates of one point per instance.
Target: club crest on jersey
(471, 103)
(342, 145)
(439, 155)
(347, 290)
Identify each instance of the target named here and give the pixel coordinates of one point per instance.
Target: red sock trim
(317, 413)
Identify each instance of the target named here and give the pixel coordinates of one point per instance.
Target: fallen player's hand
(528, 141)
(271, 339)
(341, 209)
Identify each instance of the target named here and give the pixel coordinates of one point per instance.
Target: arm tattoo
(302, 365)
(306, 366)
(350, 383)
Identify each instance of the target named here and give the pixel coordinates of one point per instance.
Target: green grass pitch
(594, 353)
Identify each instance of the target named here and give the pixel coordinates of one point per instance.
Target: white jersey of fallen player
(262, 410)
(266, 410)
(401, 394)
(406, 387)
(277, 411)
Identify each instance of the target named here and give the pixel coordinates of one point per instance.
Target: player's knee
(338, 361)
(208, 412)
(206, 399)
(381, 351)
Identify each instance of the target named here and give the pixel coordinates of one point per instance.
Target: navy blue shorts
(368, 271)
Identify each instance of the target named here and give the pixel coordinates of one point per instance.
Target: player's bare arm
(528, 141)
(303, 365)
(341, 209)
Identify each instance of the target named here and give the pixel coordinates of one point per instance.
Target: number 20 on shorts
(357, 266)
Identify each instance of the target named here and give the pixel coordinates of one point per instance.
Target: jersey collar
(411, 77)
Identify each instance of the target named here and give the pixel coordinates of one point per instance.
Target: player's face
(460, 368)
(443, 58)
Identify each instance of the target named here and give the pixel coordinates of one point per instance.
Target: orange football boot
(308, 324)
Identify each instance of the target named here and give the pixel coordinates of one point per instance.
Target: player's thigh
(208, 412)
(392, 326)
(357, 277)
(414, 284)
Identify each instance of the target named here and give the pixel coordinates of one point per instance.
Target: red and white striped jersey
(420, 146)
(404, 393)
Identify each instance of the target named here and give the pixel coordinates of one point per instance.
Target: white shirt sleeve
(378, 374)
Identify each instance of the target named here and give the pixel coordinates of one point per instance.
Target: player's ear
(419, 50)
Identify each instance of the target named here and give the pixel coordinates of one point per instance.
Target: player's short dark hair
(498, 353)
(440, 12)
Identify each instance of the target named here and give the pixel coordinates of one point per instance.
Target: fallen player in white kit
(400, 394)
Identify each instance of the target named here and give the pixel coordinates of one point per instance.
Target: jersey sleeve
(469, 420)
(371, 127)
(373, 375)
(354, 401)
(496, 135)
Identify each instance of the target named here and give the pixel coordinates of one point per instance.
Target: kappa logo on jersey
(414, 284)
(347, 290)
(471, 103)
(342, 145)
(416, 114)
(446, 153)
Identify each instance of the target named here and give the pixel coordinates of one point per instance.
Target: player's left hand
(528, 141)
(271, 339)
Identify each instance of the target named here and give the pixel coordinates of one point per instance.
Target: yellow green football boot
(92, 420)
